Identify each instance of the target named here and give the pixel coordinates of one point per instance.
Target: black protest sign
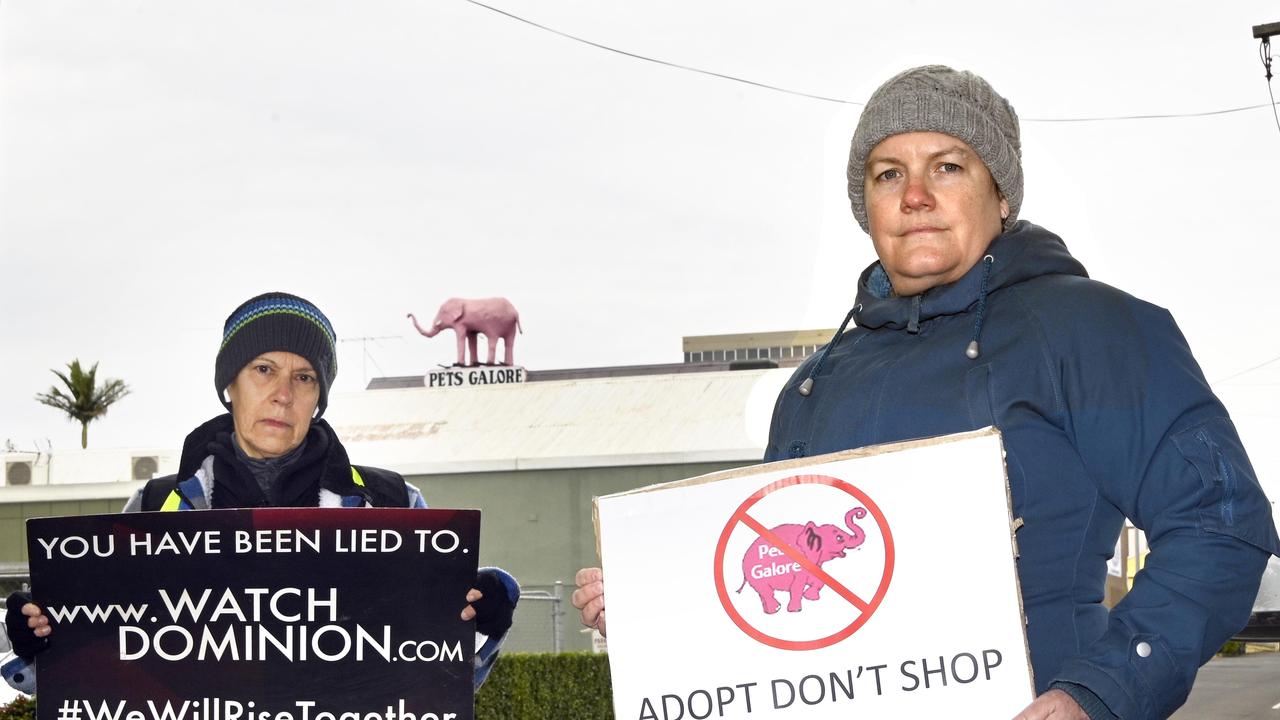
(271, 614)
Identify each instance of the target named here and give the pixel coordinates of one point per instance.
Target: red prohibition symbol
(864, 607)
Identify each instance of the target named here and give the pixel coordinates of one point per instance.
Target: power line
(667, 63)
(1273, 106)
(1264, 52)
(824, 98)
(1167, 116)
(1246, 371)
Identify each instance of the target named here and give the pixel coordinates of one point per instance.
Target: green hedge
(22, 708)
(565, 686)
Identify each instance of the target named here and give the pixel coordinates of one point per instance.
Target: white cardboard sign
(873, 583)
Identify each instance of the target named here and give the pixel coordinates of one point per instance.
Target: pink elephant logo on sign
(768, 569)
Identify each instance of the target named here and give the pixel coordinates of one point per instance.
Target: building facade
(531, 456)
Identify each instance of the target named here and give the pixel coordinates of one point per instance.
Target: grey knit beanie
(936, 98)
(277, 321)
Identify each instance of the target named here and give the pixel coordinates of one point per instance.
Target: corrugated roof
(649, 419)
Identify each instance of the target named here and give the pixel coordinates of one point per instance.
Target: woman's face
(273, 399)
(933, 208)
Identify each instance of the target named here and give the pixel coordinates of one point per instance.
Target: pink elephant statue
(493, 317)
(768, 569)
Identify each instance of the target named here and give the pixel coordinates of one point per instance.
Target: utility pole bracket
(1263, 32)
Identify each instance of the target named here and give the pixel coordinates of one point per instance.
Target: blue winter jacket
(1105, 415)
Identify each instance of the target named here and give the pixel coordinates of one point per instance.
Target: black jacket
(324, 465)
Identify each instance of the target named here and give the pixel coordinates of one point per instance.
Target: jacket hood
(1025, 251)
(196, 446)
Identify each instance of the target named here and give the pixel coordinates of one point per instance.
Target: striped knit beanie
(277, 322)
(935, 98)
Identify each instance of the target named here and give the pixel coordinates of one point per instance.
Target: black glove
(494, 610)
(22, 638)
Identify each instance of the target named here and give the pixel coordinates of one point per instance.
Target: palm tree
(87, 401)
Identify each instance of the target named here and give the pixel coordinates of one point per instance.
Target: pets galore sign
(472, 376)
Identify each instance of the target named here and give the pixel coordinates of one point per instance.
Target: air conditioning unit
(18, 473)
(145, 467)
(24, 473)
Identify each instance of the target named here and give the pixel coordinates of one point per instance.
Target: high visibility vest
(189, 495)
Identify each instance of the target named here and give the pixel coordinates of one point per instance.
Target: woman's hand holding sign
(1053, 705)
(491, 603)
(22, 615)
(36, 620)
(589, 597)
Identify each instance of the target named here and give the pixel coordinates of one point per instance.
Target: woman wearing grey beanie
(973, 318)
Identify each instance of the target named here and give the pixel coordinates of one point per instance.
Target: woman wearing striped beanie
(273, 371)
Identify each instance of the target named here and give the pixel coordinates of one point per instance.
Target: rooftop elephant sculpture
(493, 317)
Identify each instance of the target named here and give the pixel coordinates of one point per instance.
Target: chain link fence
(539, 621)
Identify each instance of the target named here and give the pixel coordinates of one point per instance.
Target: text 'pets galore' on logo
(769, 569)
(816, 542)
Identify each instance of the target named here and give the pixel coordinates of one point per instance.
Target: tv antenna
(364, 351)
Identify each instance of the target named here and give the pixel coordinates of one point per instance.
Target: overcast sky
(160, 162)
